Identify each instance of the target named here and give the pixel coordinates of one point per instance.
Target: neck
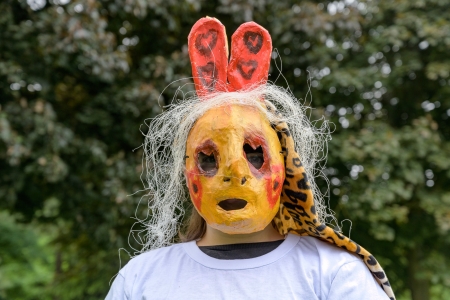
(214, 237)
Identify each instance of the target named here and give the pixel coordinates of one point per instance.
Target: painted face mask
(234, 169)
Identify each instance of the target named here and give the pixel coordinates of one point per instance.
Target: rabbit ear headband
(251, 49)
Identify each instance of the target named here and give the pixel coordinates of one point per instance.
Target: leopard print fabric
(298, 215)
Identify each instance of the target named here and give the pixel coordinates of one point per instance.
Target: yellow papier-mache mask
(234, 169)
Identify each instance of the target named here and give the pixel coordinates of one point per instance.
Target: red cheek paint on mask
(195, 189)
(273, 187)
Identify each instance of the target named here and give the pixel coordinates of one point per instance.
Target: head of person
(218, 158)
(220, 147)
(234, 168)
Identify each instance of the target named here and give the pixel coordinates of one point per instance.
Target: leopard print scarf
(298, 215)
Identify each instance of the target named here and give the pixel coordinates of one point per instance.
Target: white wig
(165, 146)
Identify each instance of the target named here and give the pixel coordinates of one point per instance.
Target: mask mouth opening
(232, 204)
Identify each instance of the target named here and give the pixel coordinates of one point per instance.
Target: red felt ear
(251, 49)
(208, 51)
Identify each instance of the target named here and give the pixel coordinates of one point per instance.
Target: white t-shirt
(300, 268)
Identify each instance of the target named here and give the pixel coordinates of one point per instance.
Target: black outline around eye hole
(247, 148)
(212, 171)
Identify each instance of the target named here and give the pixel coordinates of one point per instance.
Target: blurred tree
(25, 253)
(77, 78)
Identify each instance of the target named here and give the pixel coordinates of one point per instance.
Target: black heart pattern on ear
(206, 42)
(246, 68)
(208, 52)
(253, 41)
(208, 75)
(251, 49)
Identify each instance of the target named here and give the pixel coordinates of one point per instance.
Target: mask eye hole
(254, 156)
(207, 162)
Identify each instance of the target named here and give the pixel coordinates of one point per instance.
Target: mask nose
(227, 179)
(236, 172)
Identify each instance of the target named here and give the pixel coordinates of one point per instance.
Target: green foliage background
(77, 78)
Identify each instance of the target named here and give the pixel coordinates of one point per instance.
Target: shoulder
(343, 275)
(320, 258)
(325, 252)
(354, 281)
(130, 282)
(153, 258)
